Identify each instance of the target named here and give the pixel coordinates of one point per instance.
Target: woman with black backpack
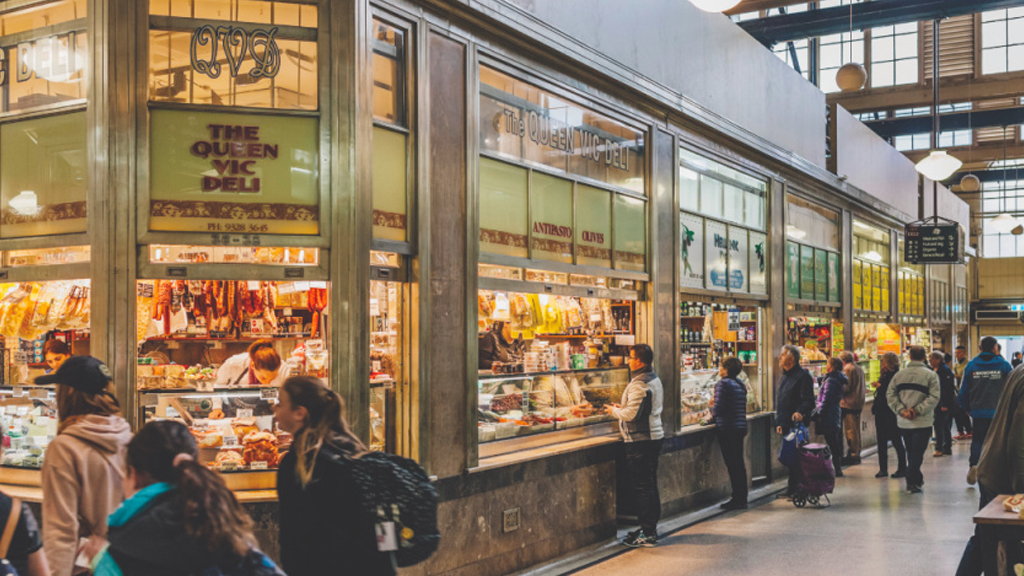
(324, 529)
(180, 518)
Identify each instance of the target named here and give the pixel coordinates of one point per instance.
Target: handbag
(797, 436)
(5, 541)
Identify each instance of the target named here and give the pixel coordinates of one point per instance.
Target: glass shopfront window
(812, 252)
(871, 268)
(233, 172)
(910, 286)
(391, 136)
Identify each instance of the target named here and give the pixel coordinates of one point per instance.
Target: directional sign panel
(934, 243)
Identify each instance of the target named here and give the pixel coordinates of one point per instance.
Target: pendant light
(938, 165)
(970, 182)
(851, 76)
(1004, 223)
(715, 5)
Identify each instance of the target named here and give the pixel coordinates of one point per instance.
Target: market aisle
(873, 527)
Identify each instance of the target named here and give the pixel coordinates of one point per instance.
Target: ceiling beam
(954, 121)
(824, 21)
(956, 89)
(977, 155)
(987, 176)
(759, 5)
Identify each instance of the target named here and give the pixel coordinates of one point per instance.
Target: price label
(286, 312)
(286, 288)
(39, 394)
(302, 286)
(18, 391)
(318, 284)
(268, 394)
(374, 307)
(253, 285)
(245, 413)
(258, 466)
(230, 440)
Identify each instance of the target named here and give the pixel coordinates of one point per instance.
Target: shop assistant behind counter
(260, 365)
(497, 345)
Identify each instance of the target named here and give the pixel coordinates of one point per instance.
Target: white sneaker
(972, 475)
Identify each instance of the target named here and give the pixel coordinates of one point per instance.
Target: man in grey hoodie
(639, 419)
(913, 394)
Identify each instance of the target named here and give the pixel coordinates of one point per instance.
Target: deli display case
(28, 415)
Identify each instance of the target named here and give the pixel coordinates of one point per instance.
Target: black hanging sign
(934, 241)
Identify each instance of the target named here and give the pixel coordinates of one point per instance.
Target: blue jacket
(983, 383)
(830, 415)
(147, 538)
(730, 411)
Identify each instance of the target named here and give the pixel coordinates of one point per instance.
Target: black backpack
(397, 491)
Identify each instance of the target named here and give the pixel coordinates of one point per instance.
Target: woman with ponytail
(180, 518)
(323, 529)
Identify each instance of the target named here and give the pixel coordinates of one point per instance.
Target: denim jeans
(642, 459)
(943, 432)
(731, 442)
(971, 561)
(978, 439)
(916, 440)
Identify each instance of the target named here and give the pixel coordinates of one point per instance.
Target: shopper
(913, 395)
(886, 428)
(794, 401)
(1001, 466)
(639, 419)
(260, 365)
(1016, 359)
(828, 413)
(729, 412)
(55, 352)
(25, 547)
(960, 416)
(947, 404)
(852, 405)
(983, 382)
(180, 517)
(84, 467)
(323, 530)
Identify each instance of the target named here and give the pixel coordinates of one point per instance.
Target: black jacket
(153, 542)
(884, 416)
(947, 387)
(323, 529)
(730, 411)
(796, 394)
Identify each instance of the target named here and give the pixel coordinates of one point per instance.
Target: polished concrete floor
(873, 527)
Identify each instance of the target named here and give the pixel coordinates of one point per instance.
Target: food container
(504, 430)
(579, 361)
(616, 360)
(486, 432)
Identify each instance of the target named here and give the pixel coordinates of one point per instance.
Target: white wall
(704, 57)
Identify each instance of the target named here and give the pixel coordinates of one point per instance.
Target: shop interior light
(938, 165)
(26, 203)
(1003, 223)
(715, 5)
(794, 232)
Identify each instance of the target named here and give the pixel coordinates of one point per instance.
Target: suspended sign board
(934, 242)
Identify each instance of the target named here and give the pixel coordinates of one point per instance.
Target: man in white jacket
(639, 419)
(913, 395)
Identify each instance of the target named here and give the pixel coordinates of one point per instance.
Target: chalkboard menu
(934, 243)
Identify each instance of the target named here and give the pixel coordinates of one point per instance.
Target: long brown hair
(212, 516)
(325, 424)
(73, 405)
(263, 355)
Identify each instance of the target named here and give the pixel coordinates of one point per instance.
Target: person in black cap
(84, 468)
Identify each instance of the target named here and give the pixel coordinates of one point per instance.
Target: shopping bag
(797, 436)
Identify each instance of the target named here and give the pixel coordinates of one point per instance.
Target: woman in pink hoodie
(84, 468)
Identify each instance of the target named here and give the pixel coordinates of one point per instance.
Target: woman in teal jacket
(181, 519)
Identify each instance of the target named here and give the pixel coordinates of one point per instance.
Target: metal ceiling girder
(955, 121)
(994, 175)
(822, 22)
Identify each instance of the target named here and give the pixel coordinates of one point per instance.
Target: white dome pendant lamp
(715, 5)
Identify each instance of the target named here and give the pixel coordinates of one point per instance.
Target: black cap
(83, 373)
